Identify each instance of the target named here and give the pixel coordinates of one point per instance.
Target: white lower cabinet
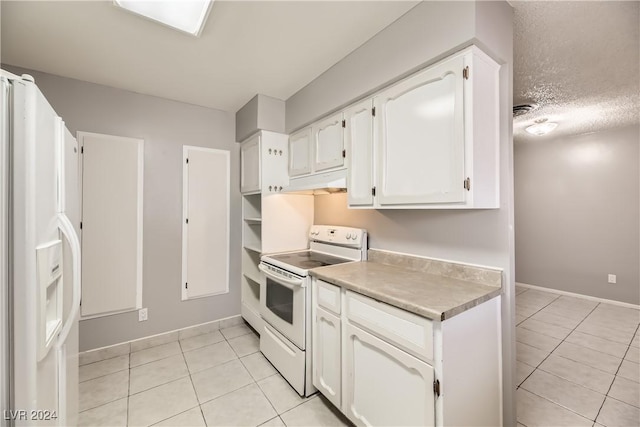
(384, 366)
(327, 354)
(383, 385)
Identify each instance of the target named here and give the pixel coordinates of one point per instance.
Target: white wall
(165, 127)
(426, 33)
(577, 208)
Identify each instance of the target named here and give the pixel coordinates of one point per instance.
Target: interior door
(377, 372)
(358, 135)
(205, 232)
(420, 138)
(112, 199)
(328, 143)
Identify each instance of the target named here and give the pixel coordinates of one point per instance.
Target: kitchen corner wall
(577, 213)
(428, 32)
(165, 127)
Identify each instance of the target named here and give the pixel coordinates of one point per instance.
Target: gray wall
(165, 127)
(485, 237)
(577, 208)
(261, 112)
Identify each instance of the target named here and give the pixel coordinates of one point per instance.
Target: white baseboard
(98, 354)
(572, 294)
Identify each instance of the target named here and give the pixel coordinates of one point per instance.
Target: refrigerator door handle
(67, 229)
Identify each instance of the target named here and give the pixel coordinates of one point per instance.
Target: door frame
(140, 214)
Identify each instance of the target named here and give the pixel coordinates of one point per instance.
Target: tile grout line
(129, 368)
(616, 375)
(606, 395)
(128, 390)
(573, 330)
(229, 392)
(543, 360)
(192, 384)
(533, 314)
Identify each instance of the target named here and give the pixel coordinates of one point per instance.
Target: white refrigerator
(40, 262)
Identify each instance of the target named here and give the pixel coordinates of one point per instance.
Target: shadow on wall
(424, 232)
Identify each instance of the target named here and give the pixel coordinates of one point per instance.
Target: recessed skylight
(184, 15)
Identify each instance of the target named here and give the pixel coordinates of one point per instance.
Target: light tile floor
(577, 361)
(214, 379)
(577, 364)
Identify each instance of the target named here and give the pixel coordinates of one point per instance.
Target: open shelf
(252, 235)
(252, 206)
(252, 278)
(253, 249)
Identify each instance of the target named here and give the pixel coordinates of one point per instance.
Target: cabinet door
(358, 135)
(384, 386)
(420, 138)
(328, 143)
(300, 153)
(250, 165)
(326, 355)
(274, 161)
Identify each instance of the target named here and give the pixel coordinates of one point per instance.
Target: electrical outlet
(611, 278)
(142, 315)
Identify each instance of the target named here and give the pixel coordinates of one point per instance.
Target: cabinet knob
(270, 150)
(280, 152)
(270, 187)
(280, 189)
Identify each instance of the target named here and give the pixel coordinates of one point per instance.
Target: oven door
(282, 305)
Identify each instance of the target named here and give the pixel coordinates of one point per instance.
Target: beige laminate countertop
(429, 295)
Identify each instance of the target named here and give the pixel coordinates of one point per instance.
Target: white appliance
(40, 259)
(285, 299)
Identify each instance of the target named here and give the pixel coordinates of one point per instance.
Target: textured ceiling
(580, 62)
(270, 47)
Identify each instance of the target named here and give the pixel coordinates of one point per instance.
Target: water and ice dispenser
(50, 298)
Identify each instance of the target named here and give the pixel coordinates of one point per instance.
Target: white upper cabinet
(300, 152)
(433, 142)
(420, 130)
(263, 163)
(250, 165)
(328, 143)
(358, 134)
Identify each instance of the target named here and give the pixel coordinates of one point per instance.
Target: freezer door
(39, 196)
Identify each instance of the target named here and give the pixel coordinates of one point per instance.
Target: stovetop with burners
(306, 260)
(329, 245)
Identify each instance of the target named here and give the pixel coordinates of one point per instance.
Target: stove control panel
(346, 236)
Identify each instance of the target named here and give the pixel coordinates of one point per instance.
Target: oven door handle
(283, 280)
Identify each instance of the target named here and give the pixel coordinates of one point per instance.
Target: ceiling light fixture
(541, 127)
(188, 16)
(522, 109)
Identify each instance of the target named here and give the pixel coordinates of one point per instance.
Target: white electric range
(285, 299)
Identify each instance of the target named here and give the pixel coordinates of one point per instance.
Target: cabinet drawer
(409, 331)
(328, 296)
